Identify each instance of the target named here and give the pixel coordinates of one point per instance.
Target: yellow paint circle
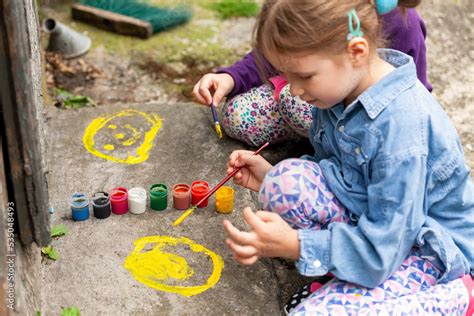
(142, 151)
(153, 268)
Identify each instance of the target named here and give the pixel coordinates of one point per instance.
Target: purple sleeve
(245, 74)
(407, 34)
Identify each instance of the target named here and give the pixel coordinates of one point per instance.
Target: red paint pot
(199, 189)
(181, 196)
(119, 200)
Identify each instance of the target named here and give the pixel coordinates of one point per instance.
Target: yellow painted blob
(134, 135)
(155, 268)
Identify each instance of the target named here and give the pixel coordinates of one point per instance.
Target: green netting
(160, 18)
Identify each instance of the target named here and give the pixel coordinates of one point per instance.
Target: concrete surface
(90, 273)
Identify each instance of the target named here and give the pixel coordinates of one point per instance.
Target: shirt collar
(377, 97)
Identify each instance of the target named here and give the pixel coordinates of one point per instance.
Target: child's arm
(270, 236)
(246, 74)
(407, 34)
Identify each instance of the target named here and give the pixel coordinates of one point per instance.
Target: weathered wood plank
(20, 85)
(110, 21)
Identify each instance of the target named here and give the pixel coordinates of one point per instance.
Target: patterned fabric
(297, 190)
(255, 117)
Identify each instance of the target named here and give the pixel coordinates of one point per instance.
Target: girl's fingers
(252, 219)
(267, 216)
(197, 94)
(246, 261)
(241, 251)
(237, 236)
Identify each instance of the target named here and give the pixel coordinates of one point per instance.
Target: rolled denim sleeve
(314, 252)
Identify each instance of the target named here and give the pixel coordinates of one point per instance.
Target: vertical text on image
(10, 256)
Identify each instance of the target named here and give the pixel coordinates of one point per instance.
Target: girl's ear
(357, 50)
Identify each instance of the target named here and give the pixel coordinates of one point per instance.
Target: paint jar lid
(100, 198)
(181, 189)
(158, 190)
(79, 200)
(225, 192)
(199, 186)
(118, 194)
(137, 194)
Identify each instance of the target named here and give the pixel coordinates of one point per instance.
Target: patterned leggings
(412, 290)
(255, 117)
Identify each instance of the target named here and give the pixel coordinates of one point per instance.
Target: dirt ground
(135, 73)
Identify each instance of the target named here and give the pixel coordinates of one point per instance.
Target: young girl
(257, 112)
(386, 204)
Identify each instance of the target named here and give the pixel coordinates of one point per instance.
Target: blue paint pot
(79, 206)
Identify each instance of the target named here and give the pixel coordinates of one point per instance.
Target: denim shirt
(395, 161)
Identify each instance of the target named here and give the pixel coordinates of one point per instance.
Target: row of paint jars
(120, 200)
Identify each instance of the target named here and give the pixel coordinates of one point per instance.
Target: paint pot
(225, 200)
(199, 189)
(101, 205)
(137, 200)
(119, 200)
(79, 206)
(181, 196)
(158, 197)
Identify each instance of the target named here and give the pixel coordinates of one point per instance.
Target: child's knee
(279, 191)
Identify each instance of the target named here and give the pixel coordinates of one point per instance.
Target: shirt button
(317, 263)
(341, 128)
(357, 150)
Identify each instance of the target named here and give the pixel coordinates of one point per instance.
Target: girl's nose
(295, 90)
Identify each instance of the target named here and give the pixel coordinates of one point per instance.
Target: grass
(234, 8)
(197, 44)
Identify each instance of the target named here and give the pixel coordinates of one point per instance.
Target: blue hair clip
(385, 6)
(353, 33)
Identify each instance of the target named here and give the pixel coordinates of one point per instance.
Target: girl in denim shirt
(385, 206)
(257, 111)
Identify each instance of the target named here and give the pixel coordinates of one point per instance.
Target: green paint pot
(158, 197)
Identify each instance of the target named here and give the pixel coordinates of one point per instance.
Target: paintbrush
(217, 126)
(230, 175)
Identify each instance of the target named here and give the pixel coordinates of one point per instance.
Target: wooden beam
(21, 104)
(111, 21)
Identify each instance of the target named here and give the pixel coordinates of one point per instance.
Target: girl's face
(321, 80)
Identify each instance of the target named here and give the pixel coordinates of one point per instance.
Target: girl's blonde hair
(298, 26)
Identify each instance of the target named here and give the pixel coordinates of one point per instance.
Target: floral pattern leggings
(297, 190)
(255, 117)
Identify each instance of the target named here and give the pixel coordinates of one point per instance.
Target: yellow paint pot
(225, 200)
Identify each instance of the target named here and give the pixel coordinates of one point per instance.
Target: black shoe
(300, 295)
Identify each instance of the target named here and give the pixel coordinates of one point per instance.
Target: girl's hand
(270, 236)
(254, 168)
(219, 84)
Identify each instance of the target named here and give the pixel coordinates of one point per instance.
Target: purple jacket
(404, 33)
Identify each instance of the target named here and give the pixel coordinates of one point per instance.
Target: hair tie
(353, 33)
(384, 6)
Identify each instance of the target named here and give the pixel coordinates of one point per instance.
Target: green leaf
(38, 313)
(71, 101)
(50, 252)
(59, 230)
(71, 311)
